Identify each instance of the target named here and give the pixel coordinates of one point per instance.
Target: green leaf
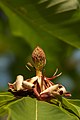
(40, 21)
(75, 102)
(67, 104)
(32, 38)
(62, 5)
(37, 25)
(32, 109)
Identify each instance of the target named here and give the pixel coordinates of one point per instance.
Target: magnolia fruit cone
(39, 58)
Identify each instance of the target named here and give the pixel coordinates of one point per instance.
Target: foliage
(51, 25)
(29, 108)
(38, 23)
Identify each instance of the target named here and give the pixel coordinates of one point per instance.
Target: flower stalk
(40, 86)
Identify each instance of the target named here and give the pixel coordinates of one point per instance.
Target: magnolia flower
(40, 86)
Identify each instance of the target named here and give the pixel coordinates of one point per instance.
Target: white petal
(28, 85)
(51, 89)
(19, 81)
(33, 79)
(63, 89)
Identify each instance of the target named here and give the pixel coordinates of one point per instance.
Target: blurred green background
(54, 25)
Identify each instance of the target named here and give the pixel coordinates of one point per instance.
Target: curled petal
(45, 96)
(19, 81)
(50, 89)
(33, 79)
(27, 85)
(67, 94)
(62, 90)
(12, 86)
(54, 93)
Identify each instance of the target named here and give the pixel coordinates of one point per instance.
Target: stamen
(58, 74)
(55, 72)
(53, 77)
(48, 82)
(36, 93)
(30, 65)
(28, 68)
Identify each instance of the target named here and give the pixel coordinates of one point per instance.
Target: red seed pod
(39, 58)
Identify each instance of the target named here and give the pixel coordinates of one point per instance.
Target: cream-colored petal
(19, 81)
(27, 85)
(33, 79)
(51, 89)
(63, 89)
